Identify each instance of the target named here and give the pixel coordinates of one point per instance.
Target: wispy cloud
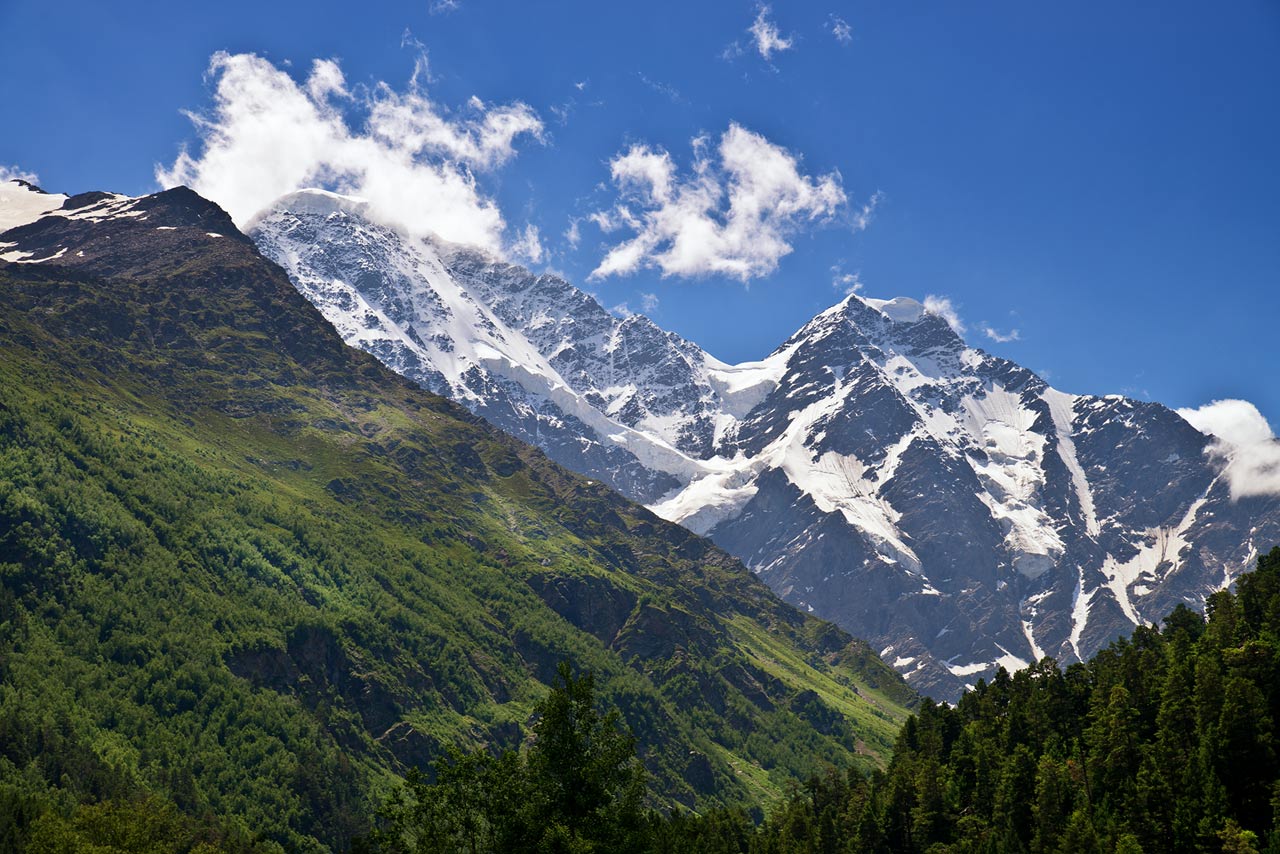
(412, 160)
(1000, 337)
(840, 29)
(408, 39)
(862, 216)
(648, 303)
(573, 234)
(562, 112)
(17, 173)
(732, 216)
(668, 91)
(766, 37)
(732, 51)
(944, 308)
(1244, 443)
(528, 245)
(845, 283)
(443, 7)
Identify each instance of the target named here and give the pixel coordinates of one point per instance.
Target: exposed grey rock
(943, 503)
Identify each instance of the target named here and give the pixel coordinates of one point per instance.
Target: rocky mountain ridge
(945, 503)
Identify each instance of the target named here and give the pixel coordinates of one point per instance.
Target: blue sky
(1101, 177)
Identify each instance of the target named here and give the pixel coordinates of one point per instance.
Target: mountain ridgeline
(947, 505)
(250, 577)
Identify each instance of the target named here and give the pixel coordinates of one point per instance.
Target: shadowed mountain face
(247, 568)
(875, 470)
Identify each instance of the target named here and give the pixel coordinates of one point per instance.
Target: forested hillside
(249, 577)
(1161, 743)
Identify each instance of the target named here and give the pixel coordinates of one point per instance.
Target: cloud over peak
(732, 216)
(17, 173)
(410, 159)
(1244, 441)
(942, 307)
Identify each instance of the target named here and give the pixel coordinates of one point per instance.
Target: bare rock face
(875, 470)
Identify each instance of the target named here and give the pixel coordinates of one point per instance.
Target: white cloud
(573, 234)
(666, 90)
(443, 7)
(408, 39)
(561, 112)
(768, 40)
(648, 303)
(1001, 337)
(847, 283)
(528, 245)
(862, 216)
(841, 30)
(621, 310)
(412, 160)
(412, 123)
(17, 173)
(942, 307)
(732, 216)
(326, 81)
(1244, 441)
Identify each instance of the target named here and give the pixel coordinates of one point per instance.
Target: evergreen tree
(578, 789)
(587, 785)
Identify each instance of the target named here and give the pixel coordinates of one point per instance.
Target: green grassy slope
(247, 569)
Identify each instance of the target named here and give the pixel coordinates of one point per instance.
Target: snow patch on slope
(1162, 547)
(1061, 407)
(1079, 611)
(898, 309)
(21, 204)
(1013, 475)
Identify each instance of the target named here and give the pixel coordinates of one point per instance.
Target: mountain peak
(312, 200)
(30, 186)
(898, 309)
(874, 469)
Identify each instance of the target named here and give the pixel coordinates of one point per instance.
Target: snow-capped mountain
(944, 503)
(619, 399)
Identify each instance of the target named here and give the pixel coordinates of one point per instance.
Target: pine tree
(583, 766)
